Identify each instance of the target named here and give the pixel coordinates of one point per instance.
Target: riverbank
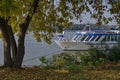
(106, 71)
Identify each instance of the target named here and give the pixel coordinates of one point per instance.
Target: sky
(86, 18)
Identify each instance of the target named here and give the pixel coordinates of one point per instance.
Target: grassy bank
(106, 71)
(95, 65)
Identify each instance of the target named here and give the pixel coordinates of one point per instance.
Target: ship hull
(71, 45)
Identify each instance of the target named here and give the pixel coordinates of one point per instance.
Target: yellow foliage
(62, 71)
(59, 63)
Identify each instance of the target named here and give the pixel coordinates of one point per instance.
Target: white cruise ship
(85, 39)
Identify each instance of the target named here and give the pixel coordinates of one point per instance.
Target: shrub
(74, 68)
(46, 62)
(56, 61)
(114, 54)
(93, 58)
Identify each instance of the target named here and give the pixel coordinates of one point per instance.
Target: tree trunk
(20, 50)
(6, 42)
(13, 43)
(7, 54)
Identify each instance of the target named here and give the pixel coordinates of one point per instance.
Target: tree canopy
(52, 13)
(49, 16)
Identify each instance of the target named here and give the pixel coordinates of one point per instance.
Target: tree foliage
(56, 13)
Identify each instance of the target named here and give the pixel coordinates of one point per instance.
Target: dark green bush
(74, 68)
(114, 54)
(94, 57)
(46, 62)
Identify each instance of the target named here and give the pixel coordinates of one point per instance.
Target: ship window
(118, 37)
(79, 39)
(104, 39)
(108, 38)
(98, 38)
(83, 37)
(88, 38)
(93, 38)
(112, 38)
(115, 38)
(75, 37)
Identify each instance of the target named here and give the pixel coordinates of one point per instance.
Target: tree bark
(6, 42)
(20, 51)
(13, 43)
(7, 54)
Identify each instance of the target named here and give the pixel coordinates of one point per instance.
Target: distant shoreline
(94, 26)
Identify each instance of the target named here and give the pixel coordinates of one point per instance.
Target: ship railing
(105, 31)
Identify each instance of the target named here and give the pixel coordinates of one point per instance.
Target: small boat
(86, 39)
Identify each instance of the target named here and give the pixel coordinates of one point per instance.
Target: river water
(34, 50)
